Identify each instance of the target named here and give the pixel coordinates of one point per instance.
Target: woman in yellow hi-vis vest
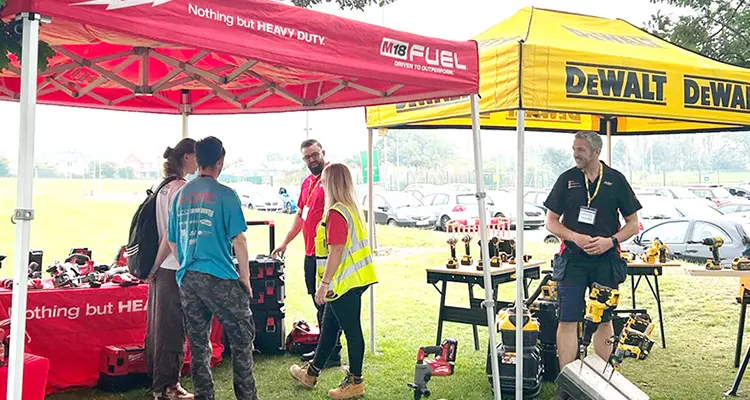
(345, 271)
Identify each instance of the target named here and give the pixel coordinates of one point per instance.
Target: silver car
(448, 205)
(505, 206)
(399, 209)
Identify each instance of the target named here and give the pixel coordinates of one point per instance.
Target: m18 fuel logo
(394, 48)
(421, 58)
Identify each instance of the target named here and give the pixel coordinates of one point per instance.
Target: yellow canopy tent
(571, 72)
(555, 71)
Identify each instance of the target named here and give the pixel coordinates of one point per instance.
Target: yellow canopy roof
(572, 72)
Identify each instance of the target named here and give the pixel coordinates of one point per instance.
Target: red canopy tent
(207, 57)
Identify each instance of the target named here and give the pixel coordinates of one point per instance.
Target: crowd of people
(201, 221)
(194, 277)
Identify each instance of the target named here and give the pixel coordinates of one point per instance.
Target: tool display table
(475, 315)
(70, 327)
(645, 270)
(743, 299)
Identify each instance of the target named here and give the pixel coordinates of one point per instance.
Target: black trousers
(343, 314)
(310, 282)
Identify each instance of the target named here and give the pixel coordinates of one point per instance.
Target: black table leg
(632, 289)
(740, 373)
(474, 327)
(740, 333)
(657, 296)
(440, 314)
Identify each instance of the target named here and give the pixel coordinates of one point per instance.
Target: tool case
(270, 332)
(123, 368)
(267, 294)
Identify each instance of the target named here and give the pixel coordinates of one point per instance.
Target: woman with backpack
(344, 271)
(165, 334)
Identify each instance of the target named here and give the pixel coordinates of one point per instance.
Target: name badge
(305, 210)
(587, 215)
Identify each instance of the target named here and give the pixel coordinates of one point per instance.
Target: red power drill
(441, 365)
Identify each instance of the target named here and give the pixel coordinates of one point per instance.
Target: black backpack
(143, 242)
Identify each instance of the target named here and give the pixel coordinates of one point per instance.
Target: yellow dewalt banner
(583, 66)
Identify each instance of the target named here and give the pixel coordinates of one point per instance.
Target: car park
(448, 205)
(399, 209)
(714, 193)
(505, 204)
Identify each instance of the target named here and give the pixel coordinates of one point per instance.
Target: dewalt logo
(571, 118)
(614, 83)
(716, 94)
(424, 104)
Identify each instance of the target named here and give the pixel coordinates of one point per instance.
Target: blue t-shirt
(204, 218)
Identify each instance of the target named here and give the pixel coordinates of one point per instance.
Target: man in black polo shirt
(588, 197)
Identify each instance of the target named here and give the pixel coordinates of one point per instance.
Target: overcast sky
(114, 135)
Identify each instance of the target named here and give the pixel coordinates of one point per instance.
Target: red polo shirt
(312, 190)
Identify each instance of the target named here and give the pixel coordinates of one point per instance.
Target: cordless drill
(601, 298)
(467, 260)
(441, 365)
(634, 341)
(452, 262)
(713, 243)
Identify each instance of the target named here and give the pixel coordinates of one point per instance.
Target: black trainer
(333, 361)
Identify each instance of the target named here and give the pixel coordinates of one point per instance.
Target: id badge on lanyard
(587, 215)
(306, 208)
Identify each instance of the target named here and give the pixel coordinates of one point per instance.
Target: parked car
(739, 191)
(680, 193)
(677, 233)
(399, 209)
(288, 201)
(258, 197)
(715, 193)
(447, 205)
(505, 206)
(420, 190)
(734, 208)
(536, 197)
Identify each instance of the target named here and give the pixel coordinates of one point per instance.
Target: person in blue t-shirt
(206, 220)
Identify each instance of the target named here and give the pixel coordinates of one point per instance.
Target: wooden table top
(471, 270)
(722, 272)
(640, 264)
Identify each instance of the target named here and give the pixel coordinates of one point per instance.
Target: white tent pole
(184, 125)
(24, 213)
(185, 110)
(489, 301)
(371, 228)
(519, 255)
(609, 142)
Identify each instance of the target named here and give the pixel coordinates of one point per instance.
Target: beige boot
(301, 375)
(348, 389)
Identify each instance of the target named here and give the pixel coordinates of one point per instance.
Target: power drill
(452, 262)
(634, 341)
(713, 244)
(467, 260)
(441, 365)
(601, 298)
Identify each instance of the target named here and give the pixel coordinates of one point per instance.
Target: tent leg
(24, 212)
(609, 142)
(371, 228)
(184, 125)
(489, 302)
(519, 250)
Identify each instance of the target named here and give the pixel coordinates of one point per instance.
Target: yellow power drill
(713, 243)
(634, 341)
(601, 298)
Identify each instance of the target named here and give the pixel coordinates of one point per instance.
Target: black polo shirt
(569, 194)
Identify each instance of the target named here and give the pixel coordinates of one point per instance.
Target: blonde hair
(339, 188)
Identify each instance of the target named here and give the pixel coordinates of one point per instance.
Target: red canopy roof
(232, 56)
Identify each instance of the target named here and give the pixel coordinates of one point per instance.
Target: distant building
(148, 169)
(67, 164)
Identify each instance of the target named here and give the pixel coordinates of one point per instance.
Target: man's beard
(315, 169)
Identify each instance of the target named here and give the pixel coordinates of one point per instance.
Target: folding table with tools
(475, 315)
(645, 270)
(743, 299)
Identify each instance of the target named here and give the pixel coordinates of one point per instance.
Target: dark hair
(175, 156)
(208, 151)
(310, 142)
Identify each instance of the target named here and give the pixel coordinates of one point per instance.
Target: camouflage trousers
(203, 297)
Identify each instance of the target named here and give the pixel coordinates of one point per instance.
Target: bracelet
(325, 283)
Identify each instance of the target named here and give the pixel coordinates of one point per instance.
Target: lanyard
(598, 184)
(312, 191)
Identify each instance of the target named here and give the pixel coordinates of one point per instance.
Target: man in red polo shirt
(310, 208)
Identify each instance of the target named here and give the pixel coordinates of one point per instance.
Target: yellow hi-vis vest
(356, 268)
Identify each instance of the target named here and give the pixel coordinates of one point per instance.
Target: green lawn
(701, 314)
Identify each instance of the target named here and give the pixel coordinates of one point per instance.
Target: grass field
(700, 313)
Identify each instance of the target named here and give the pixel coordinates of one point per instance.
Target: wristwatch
(615, 242)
